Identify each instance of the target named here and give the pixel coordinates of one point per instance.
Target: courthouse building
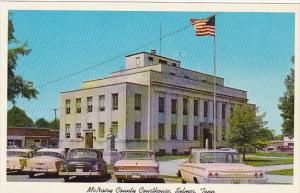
(153, 103)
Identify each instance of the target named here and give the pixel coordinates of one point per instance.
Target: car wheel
(119, 180)
(31, 175)
(183, 181)
(66, 178)
(196, 180)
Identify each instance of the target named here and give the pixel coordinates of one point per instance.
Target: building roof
(152, 55)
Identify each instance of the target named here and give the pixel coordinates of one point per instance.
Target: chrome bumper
(136, 175)
(236, 180)
(80, 173)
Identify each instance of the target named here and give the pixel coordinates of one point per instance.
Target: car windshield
(17, 154)
(219, 157)
(137, 155)
(83, 154)
(48, 153)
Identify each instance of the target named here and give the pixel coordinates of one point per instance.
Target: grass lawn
(271, 154)
(171, 157)
(257, 161)
(286, 172)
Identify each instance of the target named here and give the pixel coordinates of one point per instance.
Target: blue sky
(253, 50)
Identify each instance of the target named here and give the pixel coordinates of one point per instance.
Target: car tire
(183, 181)
(196, 180)
(31, 175)
(119, 180)
(66, 178)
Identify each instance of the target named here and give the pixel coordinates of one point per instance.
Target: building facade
(154, 103)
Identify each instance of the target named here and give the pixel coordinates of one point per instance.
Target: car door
(187, 168)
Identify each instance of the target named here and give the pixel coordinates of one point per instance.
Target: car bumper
(40, 170)
(136, 175)
(67, 173)
(236, 180)
(13, 168)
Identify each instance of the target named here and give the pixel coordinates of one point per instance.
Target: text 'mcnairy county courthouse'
(152, 98)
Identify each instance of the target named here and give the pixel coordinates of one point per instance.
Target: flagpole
(215, 109)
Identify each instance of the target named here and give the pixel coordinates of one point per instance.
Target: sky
(253, 51)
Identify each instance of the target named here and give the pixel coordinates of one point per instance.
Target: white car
(219, 167)
(47, 160)
(16, 158)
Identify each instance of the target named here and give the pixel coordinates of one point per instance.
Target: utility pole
(55, 109)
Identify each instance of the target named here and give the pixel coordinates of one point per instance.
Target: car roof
(137, 150)
(51, 150)
(223, 150)
(20, 150)
(85, 149)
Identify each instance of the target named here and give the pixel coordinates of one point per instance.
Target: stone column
(219, 121)
(210, 113)
(201, 110)
(179, 117)
(190, 118)
(168, 99)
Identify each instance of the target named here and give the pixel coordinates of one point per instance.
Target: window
(223, 111)
(101, 129)
(187, 77)
(196, 108)
(196, 132)
(101, 102)
(161, 104)
(162, 61)
(114, 127)
(174, 106)
(138, 102)
(174, 64)
(161, 131)
(89, 104)
(78, 130)
(68, 108)
(231, 110)
(185, 132)
(115, 101)
(150, 60)
(205, 106)
(90, 125)
(67, 131)
(78, 105)
(185, 106)
(173, 132)
(174, 151)
(137, 130)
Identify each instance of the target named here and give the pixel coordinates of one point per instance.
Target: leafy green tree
(17, 86)
(246, 128)
(17, 117)
(286, 105)
(42, 123)
(54, 124)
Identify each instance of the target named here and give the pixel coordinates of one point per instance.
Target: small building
(30, 137)
(154, 103)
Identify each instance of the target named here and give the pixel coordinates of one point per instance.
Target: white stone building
(177, 115)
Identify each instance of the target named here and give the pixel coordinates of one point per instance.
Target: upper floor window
(102, 103)
(173, 131)
(161, 131)
(68, 106)
(89, 104)
(138, 102)
(90, 125)
(185, 132)
(78, 105)
(114, 127)
(185, 106)
(150, 60)
(223, 111)
(196, 112)
(101, 129)
(162, 61)
(174, 64)
(115, 101)
(196, 133)
(161, 104)
(67, 131)
(78, 130)
(137, 130)
(205, 106)
(173, 106)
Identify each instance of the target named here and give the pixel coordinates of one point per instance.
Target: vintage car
(16, 158)
(84, 162)
(136, 165)
(46, 160)
(219, 167)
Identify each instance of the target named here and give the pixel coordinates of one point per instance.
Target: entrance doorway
(207, 135)
(89, 140)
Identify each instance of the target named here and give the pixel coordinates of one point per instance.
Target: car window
(83, 154)
(137, 156)
(219, 157)
(17, 154)
(48, 153)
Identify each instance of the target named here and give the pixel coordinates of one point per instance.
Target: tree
(17, 86)
(246, 128)
(286, 105)
(54, 124)
(42, 123)
(17, 117)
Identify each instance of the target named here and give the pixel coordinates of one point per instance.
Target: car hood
(150, 163)
(44, 159)
(228, 167)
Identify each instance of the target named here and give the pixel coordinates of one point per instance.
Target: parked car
(46, 160)
(219, 167)
(136, 165)
(84, 162)
(16, 158)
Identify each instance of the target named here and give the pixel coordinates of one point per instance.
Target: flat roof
(152, 55)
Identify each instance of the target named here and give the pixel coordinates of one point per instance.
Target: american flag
(205, 26)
